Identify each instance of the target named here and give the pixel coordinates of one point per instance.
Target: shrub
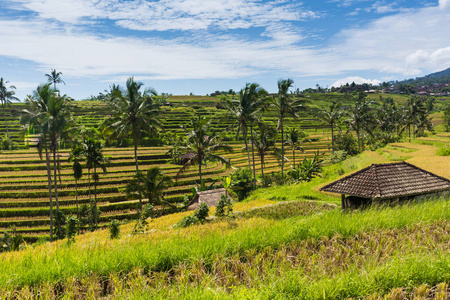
(242, 183)
(144, 214)
(114, 229)
(347, 143)
(335, 157)
(307, 169)
(10, 241)
(199, 216)
(202, 212)
(443, 151)
(225, 206)
(72, 227)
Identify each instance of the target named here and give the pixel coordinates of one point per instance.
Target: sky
(200, 46)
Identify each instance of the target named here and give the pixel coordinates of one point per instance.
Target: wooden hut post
(343, 201)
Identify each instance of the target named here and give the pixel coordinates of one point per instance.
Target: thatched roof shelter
(211, 198)
(388, 181)
(186, 157)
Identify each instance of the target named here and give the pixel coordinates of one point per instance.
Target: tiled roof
(211, 198)
(391, 180)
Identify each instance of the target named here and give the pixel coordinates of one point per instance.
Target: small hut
(211, 198)
(183, 159)
(386, 182)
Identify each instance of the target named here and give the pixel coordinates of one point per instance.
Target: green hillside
(289, 242)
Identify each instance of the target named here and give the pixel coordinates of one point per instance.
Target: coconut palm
(54, 77)
(244, 111)
(6, 96)
(35, 117)
(134, 113)
(76, 155)
(331, 116)
(93, 151)
(203, 142)
(154, 184)
(264, 140)
(360, 116)
(284, 106)
(294, 139)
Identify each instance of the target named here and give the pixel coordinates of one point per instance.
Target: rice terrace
(316, 194)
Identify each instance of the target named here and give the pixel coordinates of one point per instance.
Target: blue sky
(184, 46)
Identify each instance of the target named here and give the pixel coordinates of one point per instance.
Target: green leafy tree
(446, 118)
(6, 96)
(203, 143)
(134, 113)
(285, 106)
(245, 110)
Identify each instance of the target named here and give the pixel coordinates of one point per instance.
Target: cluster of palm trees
(246, 112)
(380, 123)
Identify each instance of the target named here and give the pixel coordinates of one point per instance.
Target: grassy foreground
(288, 243)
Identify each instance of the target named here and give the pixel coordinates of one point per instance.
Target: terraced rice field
(23, 178)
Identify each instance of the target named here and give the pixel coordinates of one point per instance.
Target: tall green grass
(163, 250)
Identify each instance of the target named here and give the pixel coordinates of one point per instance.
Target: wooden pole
(343, 201)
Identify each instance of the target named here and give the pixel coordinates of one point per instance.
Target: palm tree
(135, 113)
(76, 155)
(54, 77)
(332, 117)
(360, 116)
(35, 117)
(6, 96)
(155, 183)
(58, 121)
(285, 106)
(264, 141)
(93, 151)
(203, 143)
(245, 111)
(414, 108)
(295, 139)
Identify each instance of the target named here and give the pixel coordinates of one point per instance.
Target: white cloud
(355, 79)
(406, 43)
(444, 3)
(171, 14)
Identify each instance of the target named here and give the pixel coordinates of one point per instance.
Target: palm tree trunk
(6, 124)
(200, 169)
(262, 167)
(91, 220)
(56, 194)
(253, 159)
(49, 178)
(293, 154)
(137, 171)
(246, 147)
(95, 196)
(332, 138)
(282, 148)
(76, 198)
(357, 135)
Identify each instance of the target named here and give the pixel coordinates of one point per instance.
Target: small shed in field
(389, 182)
(211, 198)
(183, 159)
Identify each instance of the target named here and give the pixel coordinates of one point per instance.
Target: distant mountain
(438, 77)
